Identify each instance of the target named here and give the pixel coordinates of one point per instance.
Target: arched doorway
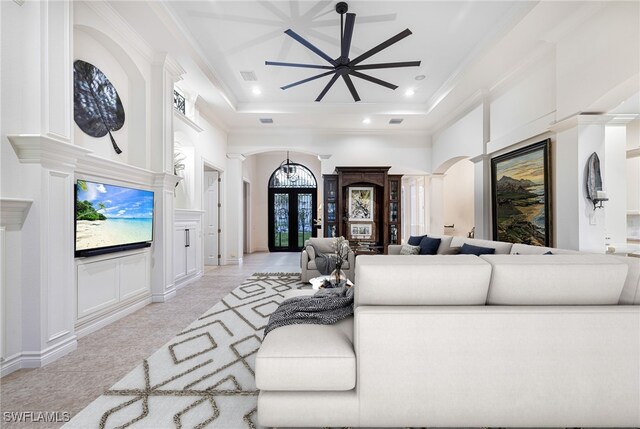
(292, 207)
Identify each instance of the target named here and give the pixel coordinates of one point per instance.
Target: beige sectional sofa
(501, 340)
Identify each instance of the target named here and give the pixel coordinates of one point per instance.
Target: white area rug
(202, 378)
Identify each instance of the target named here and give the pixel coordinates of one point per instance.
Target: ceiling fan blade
(373, 79)
(305, 66)
(309, 46)
(309, 79)
(381, 46)
(388, 65)
(348, 34)
(329, 85)
(352, 88)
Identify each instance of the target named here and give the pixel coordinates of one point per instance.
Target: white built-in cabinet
(107, 284)
(187, 246)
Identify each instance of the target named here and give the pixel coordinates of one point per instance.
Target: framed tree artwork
(360, 203)
(521, 198)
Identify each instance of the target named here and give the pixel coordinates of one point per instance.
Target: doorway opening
(246, 190)
(292, 208)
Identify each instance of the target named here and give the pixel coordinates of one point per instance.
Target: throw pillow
(429, 246)
(469, 249)
(452, 251)
(408, 249)
(415, 240)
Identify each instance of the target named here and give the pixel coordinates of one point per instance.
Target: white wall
(615, 183)
(264, 165)
(405, 153)
(464, 138)
(458, 196)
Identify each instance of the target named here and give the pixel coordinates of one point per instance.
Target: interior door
(211, 217)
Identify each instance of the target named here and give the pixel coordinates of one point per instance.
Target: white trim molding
(13, 212)
(46, 150)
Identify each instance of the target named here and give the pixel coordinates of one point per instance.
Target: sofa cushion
(307, 357)
(311, 251)
(501, 247)
(311, 265)
(557, 280)
(416, 280)
(408, 249)
(470, 249)
(527, 249)
(429, 245)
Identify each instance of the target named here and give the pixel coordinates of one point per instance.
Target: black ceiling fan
(343, 65)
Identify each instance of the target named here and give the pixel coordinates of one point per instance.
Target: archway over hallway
(452, 198)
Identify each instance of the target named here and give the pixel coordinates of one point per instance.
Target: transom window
(292, 175)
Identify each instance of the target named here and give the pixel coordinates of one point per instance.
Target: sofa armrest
(304, 259)
(394, 249)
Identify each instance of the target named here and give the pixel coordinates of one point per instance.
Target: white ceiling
(215, 40)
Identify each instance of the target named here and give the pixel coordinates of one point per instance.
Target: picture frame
(521, 195)
(361, 200)
(361, 231)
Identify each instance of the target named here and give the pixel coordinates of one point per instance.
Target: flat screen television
(111, 218)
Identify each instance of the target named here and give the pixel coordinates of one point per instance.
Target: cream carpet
(204, 376)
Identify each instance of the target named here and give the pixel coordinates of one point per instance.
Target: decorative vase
(337, 276)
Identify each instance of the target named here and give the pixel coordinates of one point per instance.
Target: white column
(482, 197)
(233, 230)
(47, 277)
(436, 197)
(576, 224)
(164, 73)
(615, 182)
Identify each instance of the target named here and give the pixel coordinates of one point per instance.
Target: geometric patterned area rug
(203, 377)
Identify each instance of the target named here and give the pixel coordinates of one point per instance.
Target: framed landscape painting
(360, 203)
(521, 200)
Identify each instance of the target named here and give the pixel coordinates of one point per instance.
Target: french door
(291, 214)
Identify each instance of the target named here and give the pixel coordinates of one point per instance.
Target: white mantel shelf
(13, 212)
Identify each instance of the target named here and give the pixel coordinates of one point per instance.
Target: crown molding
(46, 150)
(188, 121)
(166, 181)
(99, 167)
(324, 132)
(13, 212)
(204, 108)
(582, 118)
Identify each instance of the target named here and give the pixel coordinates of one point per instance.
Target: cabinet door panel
(97, 286)
(179, 257)
(191, 254)
(134, 275)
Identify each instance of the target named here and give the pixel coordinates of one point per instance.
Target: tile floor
(105, 356)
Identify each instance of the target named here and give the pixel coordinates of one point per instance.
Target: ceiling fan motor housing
(342, 8)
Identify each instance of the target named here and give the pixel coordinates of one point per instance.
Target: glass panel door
(305, 217)
(281, 220)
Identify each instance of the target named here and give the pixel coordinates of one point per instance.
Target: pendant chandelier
(289, 169)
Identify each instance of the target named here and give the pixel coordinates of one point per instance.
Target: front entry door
(291, 218)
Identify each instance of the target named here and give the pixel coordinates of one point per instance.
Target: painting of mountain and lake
(109, 215)
(520, 184)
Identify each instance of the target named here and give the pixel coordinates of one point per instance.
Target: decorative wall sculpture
(97, 108)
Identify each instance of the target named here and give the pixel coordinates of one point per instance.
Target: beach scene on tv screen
(109, 215)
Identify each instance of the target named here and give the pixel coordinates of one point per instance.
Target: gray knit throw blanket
(325, 263)
(326, 307)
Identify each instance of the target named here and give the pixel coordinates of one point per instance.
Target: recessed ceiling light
(366, 121)
(420, 77)
(396, 121)
(256, 90)
(409, 92)
(266, 121)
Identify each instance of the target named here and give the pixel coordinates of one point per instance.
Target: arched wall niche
(94, 46)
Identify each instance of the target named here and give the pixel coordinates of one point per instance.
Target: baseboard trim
(89, 327)
(38, 359)
(234, 261)
(187, 280)
(163, 297)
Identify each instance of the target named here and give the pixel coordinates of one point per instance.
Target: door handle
(187, 243)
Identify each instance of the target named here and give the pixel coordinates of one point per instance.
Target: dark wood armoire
(379, 227)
